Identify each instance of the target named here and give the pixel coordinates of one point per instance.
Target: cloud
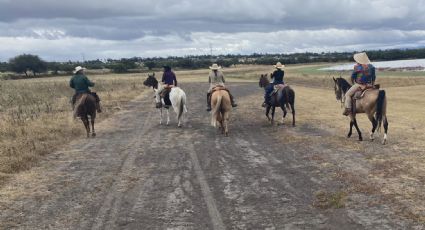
(200, 43)
(65, 29)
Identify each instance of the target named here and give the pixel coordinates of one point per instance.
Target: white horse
(177, 98)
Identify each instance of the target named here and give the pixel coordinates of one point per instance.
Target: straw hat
(361, 58)
(78, 68)
(215, 67)
(279, 65)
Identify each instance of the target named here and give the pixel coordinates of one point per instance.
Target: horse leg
(160, 116)
(273, 110)
(284, 112)
(168, 117)
(293, 114)
(358, 130)
(85, 120)
(385, 120)
(226, 123)
(351, 128)
(93, 134)
(374, 125)
(267, 112)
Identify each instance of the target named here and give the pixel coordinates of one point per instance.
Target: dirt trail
(139, 175)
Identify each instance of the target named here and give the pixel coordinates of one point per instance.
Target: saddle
(277, 87)
(165, 94)
(360, 94)
(218, 88)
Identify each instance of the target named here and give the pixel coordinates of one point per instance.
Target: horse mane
(263, 80)
(343, 84)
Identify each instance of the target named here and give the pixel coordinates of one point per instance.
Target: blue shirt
(363, 74)
(169, 78)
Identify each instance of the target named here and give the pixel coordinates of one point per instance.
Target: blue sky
(69, 30)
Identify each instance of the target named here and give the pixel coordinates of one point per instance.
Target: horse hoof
(384, 142)
(93, 134)
(360, 139)
(349, 135)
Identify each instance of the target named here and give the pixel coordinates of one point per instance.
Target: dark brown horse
(373, 103)
(85, 106)
(283, 98)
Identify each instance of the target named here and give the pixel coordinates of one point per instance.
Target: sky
(61, 30)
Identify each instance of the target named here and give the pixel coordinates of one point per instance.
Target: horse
(221, 107)
(373, 103)
(283, 98)
(85, 106)
(177, 99)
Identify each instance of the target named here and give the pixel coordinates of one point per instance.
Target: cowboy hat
(361, 58)
(279, 65)
(215, 67)
(78, 68)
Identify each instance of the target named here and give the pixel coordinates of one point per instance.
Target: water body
(383, 64)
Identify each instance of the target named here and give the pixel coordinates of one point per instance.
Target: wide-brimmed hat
(361, 58)
(78, 68)
(279, 65)
(215, 67)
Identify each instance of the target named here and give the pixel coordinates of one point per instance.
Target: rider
(363, 76)
(216, 78)
(169, 80)
(81, 84)
(277, 78)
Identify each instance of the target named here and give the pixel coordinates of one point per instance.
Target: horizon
(59, 31)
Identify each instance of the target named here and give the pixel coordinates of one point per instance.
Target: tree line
(32, 65)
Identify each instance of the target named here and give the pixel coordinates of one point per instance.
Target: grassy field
(36, 116)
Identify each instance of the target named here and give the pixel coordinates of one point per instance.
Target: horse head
(264, 81)
(151, 81)
(341, 86)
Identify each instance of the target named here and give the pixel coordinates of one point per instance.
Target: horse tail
(380, 108)
(181, 107)
(215, 110)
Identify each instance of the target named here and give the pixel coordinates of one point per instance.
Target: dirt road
(137, 174)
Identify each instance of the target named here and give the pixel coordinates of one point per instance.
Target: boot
(208, 102)
(232, 100)
(347, 111)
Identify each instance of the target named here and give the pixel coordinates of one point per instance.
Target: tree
(150, 64)
(27, 62)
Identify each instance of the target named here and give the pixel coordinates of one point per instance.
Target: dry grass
(36, 115)
(326, 200)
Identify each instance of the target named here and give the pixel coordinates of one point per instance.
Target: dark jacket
(80, 83)
(169, 78)
(277, 75)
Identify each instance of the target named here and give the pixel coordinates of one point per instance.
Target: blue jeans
(269, 89)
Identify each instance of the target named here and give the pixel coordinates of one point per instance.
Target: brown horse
(85, 106)
(283, 98)
(373, 103)
(221, 107)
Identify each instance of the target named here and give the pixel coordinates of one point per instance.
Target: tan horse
(221, 107)
(373, 104)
